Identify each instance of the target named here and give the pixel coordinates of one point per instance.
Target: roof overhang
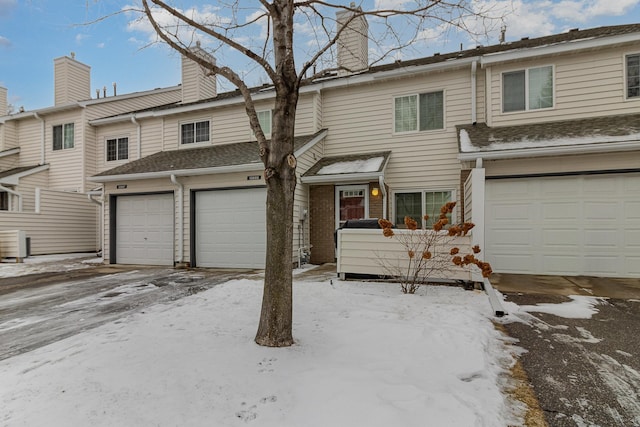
(558, 48)
(10, 152)
(14, 179)
(251, 167)
(605, 147)
(339, 178)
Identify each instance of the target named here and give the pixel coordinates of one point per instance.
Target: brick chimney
(72, 80)
(353, 44)
(4, 104)
(196, 85)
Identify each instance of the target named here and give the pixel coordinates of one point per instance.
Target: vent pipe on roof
(114, 89)
(503, 33)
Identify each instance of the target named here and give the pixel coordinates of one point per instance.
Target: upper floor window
(264, 117)
(117, 149)
(63, 136)
(194, 132)
(633, 76)
(529, 89)
(419, 112)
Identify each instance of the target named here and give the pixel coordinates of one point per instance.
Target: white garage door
(144, 229)
(576, 225)
(230, 228)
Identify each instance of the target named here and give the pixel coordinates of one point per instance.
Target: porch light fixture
(375, 191)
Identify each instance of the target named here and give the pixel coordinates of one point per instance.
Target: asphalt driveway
(584, 371)
(41, 308)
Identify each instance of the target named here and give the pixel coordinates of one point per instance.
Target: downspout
(15, 193)
(42, 145)
(139, 134)
(180, 186)
(474, 69)
(384, 196)
(90, 195)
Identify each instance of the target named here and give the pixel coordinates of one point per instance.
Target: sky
(120, 48)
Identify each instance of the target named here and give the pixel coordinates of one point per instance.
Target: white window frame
(417, 127)
(625, 87)
(526, 89)
(117, 139)
(339, 188)
(423, 191)
(63, 127)
(194, 122)
(269, 115)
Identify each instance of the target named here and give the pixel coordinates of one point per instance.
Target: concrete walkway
(585, 372)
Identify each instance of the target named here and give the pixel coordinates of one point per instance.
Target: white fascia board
(251, 167)
(15, 178)
(10, 152)
(558, 48)
(340, 178)
(300, 151)
(606, 147)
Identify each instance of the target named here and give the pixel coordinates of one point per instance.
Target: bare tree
(275, 55)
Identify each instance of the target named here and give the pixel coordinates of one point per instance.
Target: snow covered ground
(47, 263)
(365, 355)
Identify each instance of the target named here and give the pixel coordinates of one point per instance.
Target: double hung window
(194, 132)
(117, 149)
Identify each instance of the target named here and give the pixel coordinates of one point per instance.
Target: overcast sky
(34, 32)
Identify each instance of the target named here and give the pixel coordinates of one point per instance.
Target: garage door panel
(145, 229)
(230, 228)
(574, 225)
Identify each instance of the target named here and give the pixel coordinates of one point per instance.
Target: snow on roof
(466, 146)
(353, 166)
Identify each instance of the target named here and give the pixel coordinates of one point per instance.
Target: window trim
(63, 126)
(526, 89)
(454, 195)
(339, 188)
(625, 89)
(117, 139)
(270, 111)
(194, 123)
(417, 95)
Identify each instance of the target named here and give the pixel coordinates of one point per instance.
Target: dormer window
(633, 76)
(194, 132)
(529, 89)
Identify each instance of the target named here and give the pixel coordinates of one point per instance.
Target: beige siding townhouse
(537, 140)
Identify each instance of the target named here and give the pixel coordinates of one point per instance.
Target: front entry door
(352, 202)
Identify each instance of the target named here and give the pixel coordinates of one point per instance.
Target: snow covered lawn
(365, 355)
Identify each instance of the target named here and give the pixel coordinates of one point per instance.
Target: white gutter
(605, 147)
(42, 145)
(474, 68)
(181, 172)
(15, 193)
(347, 177)
(558, 48)
(90, 195)
(139, 134)
(311, 143)
(180, 186)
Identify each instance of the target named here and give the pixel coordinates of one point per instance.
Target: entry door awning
(349, 168)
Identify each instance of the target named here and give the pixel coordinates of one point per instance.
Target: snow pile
(365, 355)
(580, 307)
(47, 264)
(354, 166)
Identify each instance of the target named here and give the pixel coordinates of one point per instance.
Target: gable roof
(610, 133)
(199, 161)
(347, 168)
